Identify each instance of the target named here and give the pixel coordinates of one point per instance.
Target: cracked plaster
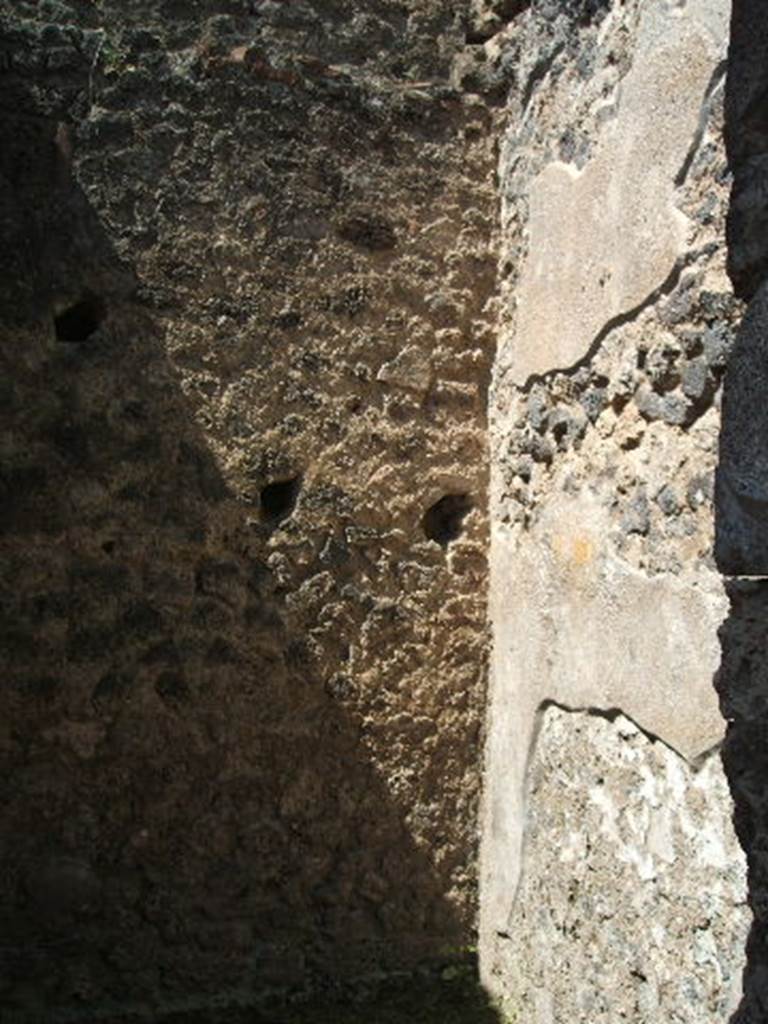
(603, 238)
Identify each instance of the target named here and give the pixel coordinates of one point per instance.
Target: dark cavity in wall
(77, 323)
(278, 499)
(368, 232)
(444, 521)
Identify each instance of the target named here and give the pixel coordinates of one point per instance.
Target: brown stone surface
(245, 347)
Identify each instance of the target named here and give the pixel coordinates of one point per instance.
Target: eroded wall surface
(612, 881)
(246, 269)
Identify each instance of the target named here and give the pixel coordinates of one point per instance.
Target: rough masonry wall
(613, 884)
(245, 345)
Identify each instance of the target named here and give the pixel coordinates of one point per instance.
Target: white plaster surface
(603, 239)
(632, 905)
(576, 625)
(612, 885)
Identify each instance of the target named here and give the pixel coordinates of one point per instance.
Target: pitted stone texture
(632, 899)
(602, 239)
(239, 675)
(637, 429)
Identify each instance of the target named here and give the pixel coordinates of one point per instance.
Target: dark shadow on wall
(741, 500)
(743, 692)
(189, 818)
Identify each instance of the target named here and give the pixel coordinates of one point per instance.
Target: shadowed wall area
(244, 349)
(741, 512)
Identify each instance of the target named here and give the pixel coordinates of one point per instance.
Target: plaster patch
(587, 634)
(603, 239)
(657, 894)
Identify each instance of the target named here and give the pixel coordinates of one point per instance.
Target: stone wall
(261, 262)
(246, 337)
(613, 883)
